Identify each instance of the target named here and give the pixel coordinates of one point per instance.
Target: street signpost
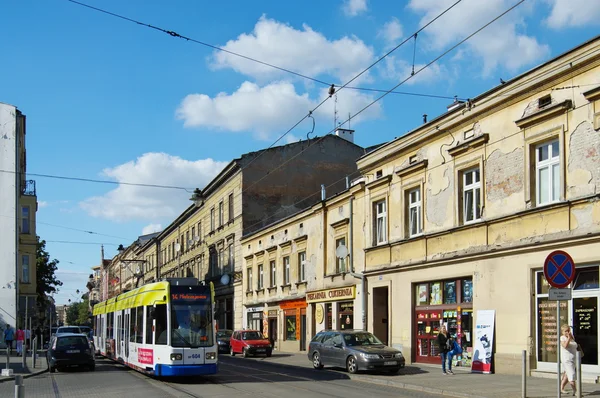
(559, 271)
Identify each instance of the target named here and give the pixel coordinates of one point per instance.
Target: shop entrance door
(380, 314)
(585, 328)
(303, 331)
(273, 331)
(426, 331)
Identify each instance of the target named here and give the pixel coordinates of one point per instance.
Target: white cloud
(42, 204)
(151, 228)
(399, 70)
(573, 13)
(354, 7)
(129, 202)
(500, 44)
(391, 31)
(304, 51)
(270, 110)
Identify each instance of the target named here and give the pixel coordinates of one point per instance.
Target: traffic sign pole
(558, 348)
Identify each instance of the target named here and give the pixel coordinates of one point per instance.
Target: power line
(81, 230)
(80, 243)
(97, 181)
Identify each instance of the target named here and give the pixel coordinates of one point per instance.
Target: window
(149, 311)
(25, 268)
(187, 239)
(183, 241)
(302, 266)
(340, 263)
(380, 222)
(260, 277)
(273, 273)
(231, 258)
(221, 216)
(212, 219)
(249, 281)
(160, 332)
(286, 270)
(25, 221)
(547, 172)
(230, 203)
(290, 325)
(193, 232)
(471, 195)
(200, 230)
(221, 260)
(414, 212)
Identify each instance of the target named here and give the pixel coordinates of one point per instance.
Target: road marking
(55, 387)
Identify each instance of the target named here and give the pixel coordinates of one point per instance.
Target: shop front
(446, 302)
(333, 308)
(294, 325)
(581, 313)
(254, 318)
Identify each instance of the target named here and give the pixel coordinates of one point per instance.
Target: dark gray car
(353, 350)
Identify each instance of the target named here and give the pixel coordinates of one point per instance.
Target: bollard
(578, 373)
(524, 375)
(7, 357)
(34, 350)
(19, 387)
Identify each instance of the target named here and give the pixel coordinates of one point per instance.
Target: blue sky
(112, 100)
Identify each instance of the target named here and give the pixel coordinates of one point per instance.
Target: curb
(25, 376)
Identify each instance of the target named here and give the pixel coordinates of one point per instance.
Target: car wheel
(245, 353)
(231, 352)
(92, 368)
(52, 369)
(317, 361)
(269, 353)
(351, 365)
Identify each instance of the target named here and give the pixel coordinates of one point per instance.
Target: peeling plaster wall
(584, 216)
(439, 198)
(584, 161)
(504, 181)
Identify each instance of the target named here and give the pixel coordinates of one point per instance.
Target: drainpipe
(361, 276)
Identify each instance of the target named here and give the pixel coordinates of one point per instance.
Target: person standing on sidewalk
(9, 336)
(442, 340)
(568, 350)
(20, 340)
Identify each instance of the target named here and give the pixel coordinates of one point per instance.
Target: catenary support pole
(524, 375)
(578, 382)
(34, 350)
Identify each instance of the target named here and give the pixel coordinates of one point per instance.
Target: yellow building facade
(462, 212)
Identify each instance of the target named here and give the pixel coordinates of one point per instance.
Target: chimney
(424, 118)
(323, 196)
(455, 104)
(346, 134)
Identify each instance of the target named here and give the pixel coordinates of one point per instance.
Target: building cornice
(544, 114)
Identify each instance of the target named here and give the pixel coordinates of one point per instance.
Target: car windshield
(70, 341)
(360, 339)
(251, 336)
(224, 333)
(69, 330)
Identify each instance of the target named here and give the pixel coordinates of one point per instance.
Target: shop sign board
(340, 293)
(559, 269)
(559, 294)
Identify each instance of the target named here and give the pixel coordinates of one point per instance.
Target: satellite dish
(225, 279)
(138, 270)
(197, 238)
(190, 242)
(177, 247)
(341, 251)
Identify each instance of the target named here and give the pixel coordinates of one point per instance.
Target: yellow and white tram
(161, 329)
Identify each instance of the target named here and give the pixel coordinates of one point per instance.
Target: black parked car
(70, 349)
(353, 350)
(223, 339)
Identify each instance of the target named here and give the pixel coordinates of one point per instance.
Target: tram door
(119, 336)
(127, 329)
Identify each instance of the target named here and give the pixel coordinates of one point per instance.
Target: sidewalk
(429, 378)
(16, 364)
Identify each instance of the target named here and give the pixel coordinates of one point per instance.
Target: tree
(83, 312)
(72, 314)
(45, 276)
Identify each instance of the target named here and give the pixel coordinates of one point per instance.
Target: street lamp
(138, 274)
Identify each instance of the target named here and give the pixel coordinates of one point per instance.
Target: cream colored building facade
(462, 212)
(295, 284)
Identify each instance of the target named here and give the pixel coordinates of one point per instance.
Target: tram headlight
(176, 357)
(211, 355)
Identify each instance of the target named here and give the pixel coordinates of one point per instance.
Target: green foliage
(78, 313)
(45, 275)
(72, 314)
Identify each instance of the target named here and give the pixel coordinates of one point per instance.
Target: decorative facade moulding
(544, 114)
(301, 238)
(411, 168)
(470, 143)
(286, 243)
(379, 181)
(340, 223)
(249, 257)
(272, 248)
(593, 94)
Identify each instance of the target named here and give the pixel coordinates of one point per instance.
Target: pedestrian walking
(9, 336)
(443, 343)
(20, 339)
(568, 351)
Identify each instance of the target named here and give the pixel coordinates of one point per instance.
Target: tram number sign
(559, 269)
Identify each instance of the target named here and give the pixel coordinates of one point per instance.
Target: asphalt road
(237, 378)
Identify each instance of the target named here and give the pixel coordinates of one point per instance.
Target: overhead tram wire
(81, 243)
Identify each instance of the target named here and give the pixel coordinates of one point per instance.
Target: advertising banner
(482, 345)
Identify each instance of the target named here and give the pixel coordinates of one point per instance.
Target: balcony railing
(28, 188)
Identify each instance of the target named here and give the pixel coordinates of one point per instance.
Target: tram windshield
(191, 319)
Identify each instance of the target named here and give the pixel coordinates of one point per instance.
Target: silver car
(353, 350)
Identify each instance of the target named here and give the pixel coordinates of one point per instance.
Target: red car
(249, 342)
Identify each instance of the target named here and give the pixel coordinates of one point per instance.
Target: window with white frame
(301, 266)
(380, 210)
(547, 172)
(25, 220)
(414, 212)
(471, 195)
(261, 279)
(25, 268)
(273, 267)
(286, 270)
(212, 219)
(249, 276)
(340, 263)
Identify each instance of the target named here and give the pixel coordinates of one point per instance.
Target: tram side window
(161, 324)
(149, 325)
(132, 327)
(110, 317)
(139, 325)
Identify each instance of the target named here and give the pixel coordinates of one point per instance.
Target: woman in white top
(568, 350)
